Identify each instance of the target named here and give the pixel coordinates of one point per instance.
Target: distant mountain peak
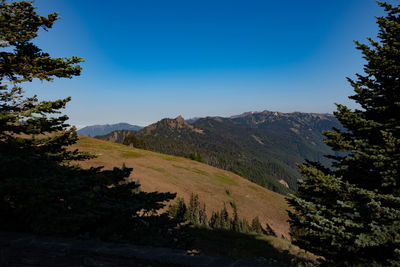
(178, 124)
(180, 120)
(244, 114)
(216, 118)
(277, 114)
(96, 130)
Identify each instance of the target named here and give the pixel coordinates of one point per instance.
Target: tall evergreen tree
(39, 191)
(350, 213)
(133, 140)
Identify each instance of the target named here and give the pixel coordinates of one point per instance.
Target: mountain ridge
(176, 124)
(263, 147)
(102, 129)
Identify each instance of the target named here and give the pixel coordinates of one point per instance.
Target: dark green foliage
(235, 222)
(220, 219)
(195, 156)
(133, 140)
(40, 190)
(23, 61)
(256, 225)
(350, 214)
(244, 226)
(203, 219)
(262, 145)
(344, 223)
(196, 214)
(178, 209)
(193, 210)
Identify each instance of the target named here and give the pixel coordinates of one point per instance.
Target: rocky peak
(178, 123)
(180, 120)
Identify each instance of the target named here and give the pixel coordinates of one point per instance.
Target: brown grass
(164, 173)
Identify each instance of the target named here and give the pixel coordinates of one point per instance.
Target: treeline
(259, 147)
(194, 212)
(227, 156)
(132, 140)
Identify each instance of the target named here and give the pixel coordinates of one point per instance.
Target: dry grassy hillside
(159, 172)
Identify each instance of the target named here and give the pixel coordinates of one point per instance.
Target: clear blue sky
(147, 60)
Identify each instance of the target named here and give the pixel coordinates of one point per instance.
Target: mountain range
(263, 147)
(96, 130)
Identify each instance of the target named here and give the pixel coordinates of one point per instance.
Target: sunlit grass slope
(159, 172)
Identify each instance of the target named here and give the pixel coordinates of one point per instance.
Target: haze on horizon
(147, 60)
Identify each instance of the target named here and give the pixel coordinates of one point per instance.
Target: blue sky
(147, 60)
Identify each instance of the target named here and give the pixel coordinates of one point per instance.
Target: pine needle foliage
(41, 191)
(350, 213)
(178, 209)
(256, 225)
(196, 214)
(133, 140)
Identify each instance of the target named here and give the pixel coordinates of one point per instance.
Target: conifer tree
(193, 209)
(350, 213)
(203, 219)
(39, 191)
(133, 140)
(225, 220)
(256, 225)
(235, 222)
(178, 209)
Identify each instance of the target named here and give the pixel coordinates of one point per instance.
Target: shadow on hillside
(199, 240)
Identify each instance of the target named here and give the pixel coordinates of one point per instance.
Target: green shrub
(178, 209)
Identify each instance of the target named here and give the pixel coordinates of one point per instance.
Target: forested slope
(263, 147)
